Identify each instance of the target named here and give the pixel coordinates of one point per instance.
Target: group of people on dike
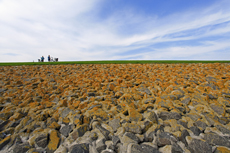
(50, 59)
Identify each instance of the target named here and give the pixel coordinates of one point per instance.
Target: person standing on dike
(42, 58)
(48, 58)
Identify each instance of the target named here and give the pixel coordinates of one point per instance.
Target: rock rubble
(109, 108)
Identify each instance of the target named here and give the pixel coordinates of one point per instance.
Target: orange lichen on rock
(53, 141)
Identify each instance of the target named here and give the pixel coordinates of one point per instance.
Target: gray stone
(65, 130)
(3, 124)
(181, 109)
(107, 151)
(16, 123)
(196, 131)
(151, 116)
(210, 96)
(150, 100)
(186, 101)
(214, 139)
(183, 123)
(149, 137)
(194, 117)
(201, 124)
(183, 136)
(91, 94)
(115, 124)
(209, 118)
(222, 129)
(169, 115)
(146, 90)
(115, 140)
(2, 135)
(228, 110)
(100, 145)
(4, 142)
(21, 148)
(99, 98)
(17, 140)
(218, 109)
(42, 143)
(164, 104)
(136, 148)
(79, 131)
(105, 132)
(176, 148)
(110, 145)
(147, 124)
(165, 138)
(129, 137)
(199, 146)
(223, 120)
(80, 148)
(65, 112)
(93, 136)
(131, 127)
(42, 140)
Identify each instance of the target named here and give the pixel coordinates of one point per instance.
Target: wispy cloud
(73, 30)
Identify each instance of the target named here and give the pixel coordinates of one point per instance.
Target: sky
(83, 30)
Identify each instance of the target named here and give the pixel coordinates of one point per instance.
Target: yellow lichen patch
(66, 120)
(55, 115)
(55, 125)
(76, 104)
(77, 122)
(82, 105)
(134, 115)
(5, 141)
(53, 141)
(34, 104)
(99, 113)
(49, 104)
(16, 116)
(63, 103)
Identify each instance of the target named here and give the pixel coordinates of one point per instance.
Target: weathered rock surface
(112, 108)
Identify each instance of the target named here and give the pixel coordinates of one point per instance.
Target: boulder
(21, 148)
(165, 138)
(115, 124)
(214, 139)
(42, 140)
(80, 148)
(54, 141)
(79, 131)
(129, 137)
(131, 127)
(199, 146)
(169, 115)
(136, 148)
(100, 145)
(196, 131)
(65, 130)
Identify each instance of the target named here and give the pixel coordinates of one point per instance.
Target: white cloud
(70, 30)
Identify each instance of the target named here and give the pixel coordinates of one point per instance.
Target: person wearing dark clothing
(48, 58)
(42, 58)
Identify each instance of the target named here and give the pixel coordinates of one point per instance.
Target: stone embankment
(133, 108)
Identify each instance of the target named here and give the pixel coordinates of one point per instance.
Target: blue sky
(79, 30)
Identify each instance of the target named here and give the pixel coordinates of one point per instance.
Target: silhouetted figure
(48, 58)
(42, 59)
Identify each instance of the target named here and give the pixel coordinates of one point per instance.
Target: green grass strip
(111, 62)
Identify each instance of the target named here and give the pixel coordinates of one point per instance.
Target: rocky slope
(109, 108)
